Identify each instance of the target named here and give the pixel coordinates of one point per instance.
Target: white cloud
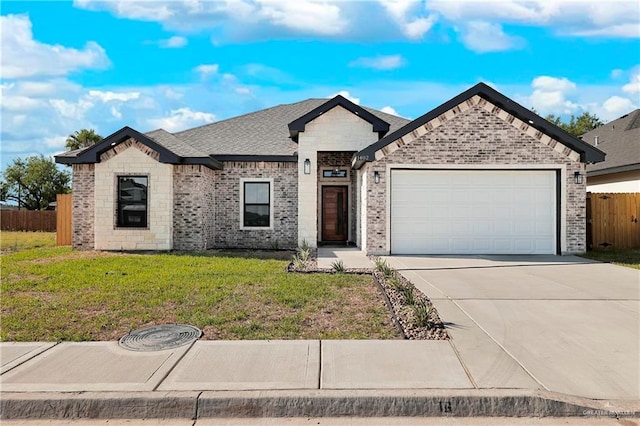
(243, 91)
(388, 62)
(390, 110)
(182, 118)
(113, 96)
(550, 95)
(321, 17)
(546, 83)
(483, 37)
(567, 17)
(75, 110)
(172, 94)
(115, 112)
(616, 73)
(616, 106)
(633, 86)
(621, 30)
(19, 103)
(412, 27)
(22, 56)
(173, 42)
(347, 95)
(306, 16)
(55, 142)
(206, 70)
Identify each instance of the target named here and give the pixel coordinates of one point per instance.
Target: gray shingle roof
(620, 140)
(174, 144)
(263, 132)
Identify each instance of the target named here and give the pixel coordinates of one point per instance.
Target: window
(132, 201)
(334, 173)
(256, 204)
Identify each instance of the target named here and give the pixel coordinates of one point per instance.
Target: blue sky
(179, 64)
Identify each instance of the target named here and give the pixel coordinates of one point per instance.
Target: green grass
(55, 294)
(623, 257)
(16, 241)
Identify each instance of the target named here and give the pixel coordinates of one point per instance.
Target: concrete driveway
(560, 323)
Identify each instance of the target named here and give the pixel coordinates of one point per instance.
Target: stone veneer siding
(476, 137)
(227, 230)
(329, 160)
(83, 207)
(193, 207)
(131, 158)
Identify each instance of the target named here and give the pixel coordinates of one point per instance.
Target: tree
(33, 182)
(576, 126)
(82, 139)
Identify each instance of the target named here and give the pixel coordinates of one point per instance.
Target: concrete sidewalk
(291, 378)
(351, 257)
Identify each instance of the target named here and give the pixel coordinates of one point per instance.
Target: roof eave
(612, 170)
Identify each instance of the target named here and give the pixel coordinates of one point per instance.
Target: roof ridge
(248, 114)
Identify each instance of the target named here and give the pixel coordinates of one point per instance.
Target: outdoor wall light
(578, 178)
(376, 177)
(307, 166)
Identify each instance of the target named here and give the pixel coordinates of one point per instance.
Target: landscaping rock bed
(404, 313)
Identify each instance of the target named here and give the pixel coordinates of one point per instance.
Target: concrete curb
(316, 403)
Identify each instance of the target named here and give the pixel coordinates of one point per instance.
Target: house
(620, 140)
(478, 174)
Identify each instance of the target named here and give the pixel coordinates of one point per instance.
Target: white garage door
(473, 212)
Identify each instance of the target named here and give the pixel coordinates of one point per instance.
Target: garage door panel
(473, 212)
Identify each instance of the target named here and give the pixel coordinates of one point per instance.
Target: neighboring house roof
(298, 125)
(620, 140)
(587, 152)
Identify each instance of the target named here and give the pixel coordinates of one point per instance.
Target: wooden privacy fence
(613, 220)
(63, 220)
(28, 220)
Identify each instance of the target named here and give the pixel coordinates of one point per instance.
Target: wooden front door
(334, 213)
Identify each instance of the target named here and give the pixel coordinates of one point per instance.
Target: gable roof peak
(298, 125)
(588, 153)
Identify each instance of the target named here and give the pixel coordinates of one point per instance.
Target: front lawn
(623, 257)
(16, 241)
(53, 294)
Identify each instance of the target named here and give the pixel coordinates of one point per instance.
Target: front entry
(334, 213)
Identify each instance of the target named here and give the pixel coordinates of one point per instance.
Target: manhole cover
(160, 337)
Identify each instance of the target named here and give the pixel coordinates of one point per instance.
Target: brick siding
(83, 206)
(193, 208)
(228, 204)
(475, 136)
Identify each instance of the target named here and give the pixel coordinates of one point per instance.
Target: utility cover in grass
(160, 337)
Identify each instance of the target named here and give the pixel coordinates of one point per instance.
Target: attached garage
(474, 211)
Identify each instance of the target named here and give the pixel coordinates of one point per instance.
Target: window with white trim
(257, 203)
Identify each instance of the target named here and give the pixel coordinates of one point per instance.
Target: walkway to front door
(334, 213)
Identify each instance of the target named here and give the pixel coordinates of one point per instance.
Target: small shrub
(383, 267)
(275, 245)
(338, 266)
(303, 253)
(422, 314)
(298, 263)
(407, 293)
(305, 246)
(395, 282)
